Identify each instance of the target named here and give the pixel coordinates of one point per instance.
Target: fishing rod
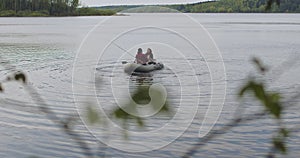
(124, 62)
(123, 49)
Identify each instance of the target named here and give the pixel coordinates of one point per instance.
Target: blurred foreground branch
(65, 124)
(153, 97)
(273, 107)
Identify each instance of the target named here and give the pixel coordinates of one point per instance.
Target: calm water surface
(45, 48)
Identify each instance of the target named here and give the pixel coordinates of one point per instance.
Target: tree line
(51, 7)
(221, 6)
(239, 6)
(47, 8)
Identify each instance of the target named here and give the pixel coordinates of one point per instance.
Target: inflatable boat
(134, 67)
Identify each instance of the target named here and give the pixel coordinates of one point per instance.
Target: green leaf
(275, 97)
(141, 95)
(271, 101)
(1, 88)
(284, 132)
(259, 91)
(92, 115)
(275, 109)
(140, 122)
(273, 104)
(244, 89)
(125, 127)
(279, 144)
(120, 113)
(20, 76)
(256, 88)
(166, 108)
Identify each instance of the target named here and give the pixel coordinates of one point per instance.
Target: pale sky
(134, 2)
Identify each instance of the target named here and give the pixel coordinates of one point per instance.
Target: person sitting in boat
(141, 58)
(150, 57)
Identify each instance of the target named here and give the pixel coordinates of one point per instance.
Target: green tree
(241, 6)
(42, 7)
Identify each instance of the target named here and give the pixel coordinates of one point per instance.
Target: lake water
(64, 58)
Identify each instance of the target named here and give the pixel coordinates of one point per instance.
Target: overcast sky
(137, 2)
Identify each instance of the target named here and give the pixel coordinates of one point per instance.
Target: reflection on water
(142, 78)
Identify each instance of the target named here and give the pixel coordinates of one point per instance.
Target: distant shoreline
(127, 14)
(46, 13)
(220, 6)
(123, 14)
(16, 8)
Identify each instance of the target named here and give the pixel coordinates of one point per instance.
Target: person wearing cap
(140, 58)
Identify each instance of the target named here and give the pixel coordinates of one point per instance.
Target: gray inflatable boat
(134, 67)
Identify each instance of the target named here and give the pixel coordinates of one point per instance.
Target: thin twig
(44, 107)
(225, 128)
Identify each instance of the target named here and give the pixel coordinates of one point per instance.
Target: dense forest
(47, 8)
(225, 6)
(239, 6)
